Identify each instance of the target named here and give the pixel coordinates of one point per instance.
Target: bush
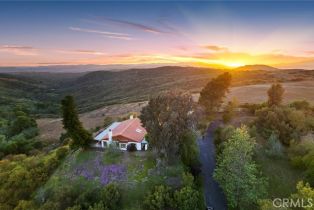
(189, 152)
(98, 206)
(301, 105)
(159, 198)
(187, 199)
(25, 205)
(229, 111)
(252, 108)
(188, 180)
(302, 156)
(274, 147)
(62, 152)
(288, 123)
(21, 123)
(111, 197)
(221, 135)
(21, 176)
(76, 207)
(306, 193)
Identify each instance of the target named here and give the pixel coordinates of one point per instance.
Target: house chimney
(110, 136)
(131, 116)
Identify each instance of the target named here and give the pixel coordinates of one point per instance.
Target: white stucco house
(123, 134)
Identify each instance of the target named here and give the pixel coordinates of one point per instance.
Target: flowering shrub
(95, 170)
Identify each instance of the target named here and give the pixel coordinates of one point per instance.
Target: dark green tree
(287, 123)
(21, 123)
(211, 96)
(189, 152)
(275, 94)
(167, 117)
(229, 111)
(159, 198)
(71, 123)
(187, 198)
(111, 197)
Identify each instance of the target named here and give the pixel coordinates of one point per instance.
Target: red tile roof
(130, 130)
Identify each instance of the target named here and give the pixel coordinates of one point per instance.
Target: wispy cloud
(19, 50)
(80, 52)
(216, 48)
(112, 35)
(134, 25)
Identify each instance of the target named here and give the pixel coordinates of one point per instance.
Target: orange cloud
(81, 52)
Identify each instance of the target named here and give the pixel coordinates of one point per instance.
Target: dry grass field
(51, 128)
(258, 93)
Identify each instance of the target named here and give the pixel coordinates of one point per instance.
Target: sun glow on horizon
(234, 64)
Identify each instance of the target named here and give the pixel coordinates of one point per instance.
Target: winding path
(213, 194)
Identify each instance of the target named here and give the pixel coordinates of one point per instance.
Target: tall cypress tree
(71, 123)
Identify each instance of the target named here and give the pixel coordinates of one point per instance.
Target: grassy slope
(282, 177)
(139, 178)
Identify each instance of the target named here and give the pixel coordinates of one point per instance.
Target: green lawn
(282, 177)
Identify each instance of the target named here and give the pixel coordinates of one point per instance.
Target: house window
(123, 146)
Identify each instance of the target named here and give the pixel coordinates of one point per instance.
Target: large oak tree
(167, 117)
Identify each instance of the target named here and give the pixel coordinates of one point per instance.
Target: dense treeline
(18, 131)
(21, 175)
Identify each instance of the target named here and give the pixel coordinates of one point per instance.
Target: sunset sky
(280, 34)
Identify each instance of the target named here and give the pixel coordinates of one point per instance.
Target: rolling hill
(255, 68)
(92, 90)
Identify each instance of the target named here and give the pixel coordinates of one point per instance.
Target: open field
(258, 93)
(51, 128)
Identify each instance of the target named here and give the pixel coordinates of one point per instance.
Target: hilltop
(256, 67)
(43, 91)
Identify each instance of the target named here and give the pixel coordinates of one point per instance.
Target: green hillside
(43, 91)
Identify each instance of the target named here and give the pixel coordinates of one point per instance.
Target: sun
(234, 64)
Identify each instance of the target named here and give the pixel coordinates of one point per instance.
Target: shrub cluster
(18, 130)
(20, 176)
(163, 197)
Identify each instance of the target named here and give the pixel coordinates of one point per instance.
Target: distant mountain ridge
(256, 67)
(81, 68)
(125, 67)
